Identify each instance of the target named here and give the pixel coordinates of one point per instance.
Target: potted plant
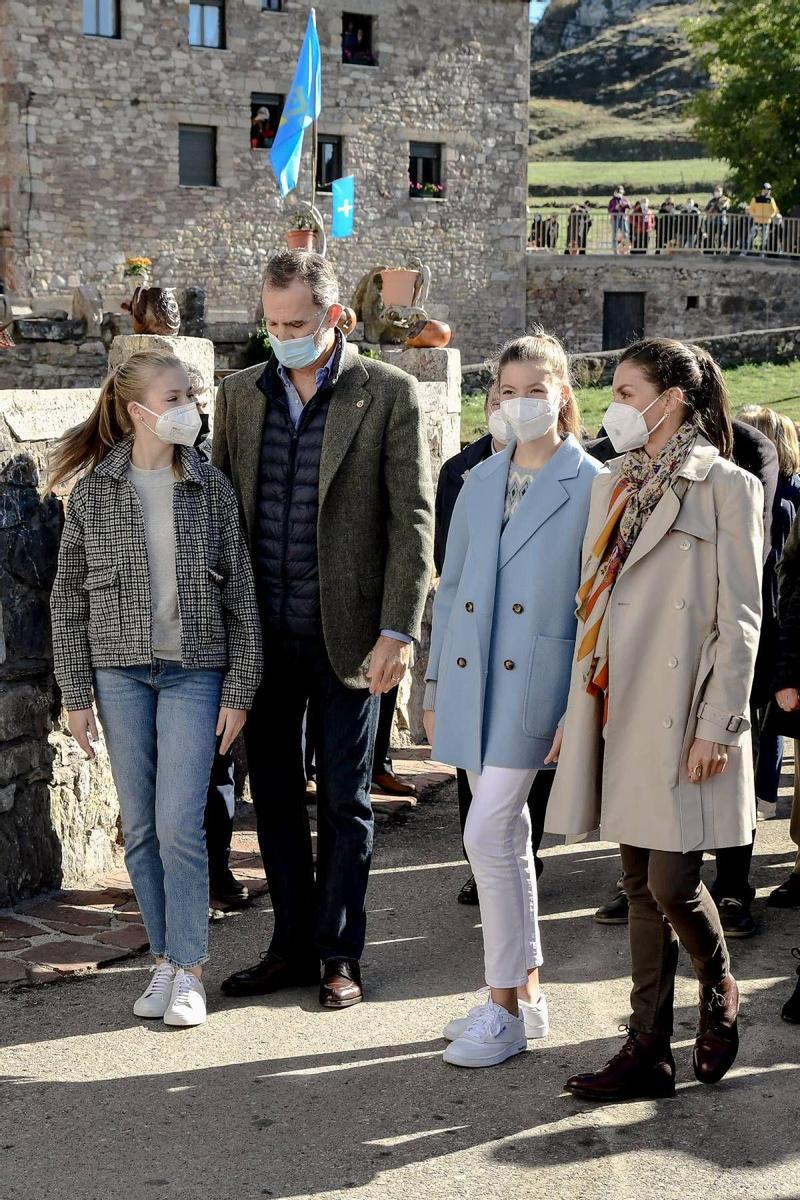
(138, 269)
(301, 231)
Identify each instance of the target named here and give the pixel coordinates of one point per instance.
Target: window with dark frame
(207, 24)
(271, 5)
(329, 161)
(197, 156)
(101, 18)
(425, 170)
(266, 110)
(358, 40)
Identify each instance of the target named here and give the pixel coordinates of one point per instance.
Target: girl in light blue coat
(499, 668)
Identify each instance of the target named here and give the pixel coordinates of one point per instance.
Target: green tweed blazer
(375, 522)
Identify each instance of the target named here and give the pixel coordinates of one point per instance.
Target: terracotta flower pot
(300, 239)
(429, 334)
(397, 287)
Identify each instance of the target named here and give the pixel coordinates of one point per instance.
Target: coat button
(667, 722)
(469, 606)
(517, 608)
(672, 662)
(461, 662)
(680, 604)
(509, 664)
(686, 545)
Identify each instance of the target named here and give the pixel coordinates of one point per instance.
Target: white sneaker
(491, 1037)
(535, 1016)
(187, 1005)
(154, 1000)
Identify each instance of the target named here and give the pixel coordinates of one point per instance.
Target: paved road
(283, 1099)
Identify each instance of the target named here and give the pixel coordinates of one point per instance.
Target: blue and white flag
(344, 206)
(302, 108)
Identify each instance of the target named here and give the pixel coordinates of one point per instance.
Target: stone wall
(687, 296)
(81, 191)
(58, 813)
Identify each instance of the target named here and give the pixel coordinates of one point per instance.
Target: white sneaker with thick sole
(154, 1000)
(187, 1005)
(535, 1016)
(491, 1037)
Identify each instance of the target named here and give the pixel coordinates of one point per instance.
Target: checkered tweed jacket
(100, 603)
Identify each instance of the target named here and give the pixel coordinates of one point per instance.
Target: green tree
(750, 113)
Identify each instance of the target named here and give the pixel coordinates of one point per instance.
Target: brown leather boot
(717, 1041)
(643, 1069)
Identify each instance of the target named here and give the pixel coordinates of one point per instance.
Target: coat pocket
(104, 598)
(212, 621)
(548, 686)
(371, 586)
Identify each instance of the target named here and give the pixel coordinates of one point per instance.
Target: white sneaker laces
(163, 978)
(186, 985)
(488, 1023)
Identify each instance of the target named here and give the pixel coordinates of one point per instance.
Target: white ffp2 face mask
(529, 418)
(626, 426)
(178, 426)
(498, 427)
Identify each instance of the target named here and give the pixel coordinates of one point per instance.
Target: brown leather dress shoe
(341, 983)
(643, 1069)
(388, 782)
(717, 1041)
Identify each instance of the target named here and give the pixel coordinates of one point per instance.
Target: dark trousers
(218, 822)
(668, 901)
(733, 862)
(537, 804)
(382, 764)
(323, 917)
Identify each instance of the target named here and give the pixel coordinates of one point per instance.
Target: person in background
(643, 223)
(578, 225)
(155, 621)
(618, 209)
(491, 705)
(762, 209)
(551, 232)
(787, 694)
(383, 774)
(690, 219)
(666, 225)
(328, 455)
(756, 454)
(452, 477)
(225, 889)
(768, 747)
(655, 744)
(717, 220)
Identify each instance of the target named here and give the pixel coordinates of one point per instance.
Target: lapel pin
(359, 403)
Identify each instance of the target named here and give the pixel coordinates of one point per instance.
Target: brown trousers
(668, 901)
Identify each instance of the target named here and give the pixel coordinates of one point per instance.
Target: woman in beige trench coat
(656, 745)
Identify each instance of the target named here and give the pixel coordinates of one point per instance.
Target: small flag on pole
(302, 108)
(344, 206)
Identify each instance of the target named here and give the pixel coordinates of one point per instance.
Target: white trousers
(497, 838)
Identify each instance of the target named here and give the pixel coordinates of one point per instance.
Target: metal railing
(593, 231)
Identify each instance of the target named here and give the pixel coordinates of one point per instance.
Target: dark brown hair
(84, 447)
(287, 265)
(539, 346)
(667, 363)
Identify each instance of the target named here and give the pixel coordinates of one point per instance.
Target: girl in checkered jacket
(155, 621)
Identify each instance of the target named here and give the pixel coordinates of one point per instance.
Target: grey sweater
(154, 489)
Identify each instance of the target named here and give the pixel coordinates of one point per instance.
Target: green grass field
(567, 176)
(767, 384)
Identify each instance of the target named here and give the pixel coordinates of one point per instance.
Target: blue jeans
(159, 723)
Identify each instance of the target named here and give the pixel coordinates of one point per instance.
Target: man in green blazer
(328, 454)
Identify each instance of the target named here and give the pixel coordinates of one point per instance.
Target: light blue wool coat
(504, 616)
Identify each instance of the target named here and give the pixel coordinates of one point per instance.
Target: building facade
(142, 127)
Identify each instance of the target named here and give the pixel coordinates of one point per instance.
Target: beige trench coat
(685, 616)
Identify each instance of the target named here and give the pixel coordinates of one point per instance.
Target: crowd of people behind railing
(637, 227)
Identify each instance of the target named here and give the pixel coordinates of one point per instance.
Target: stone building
(126, 130)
